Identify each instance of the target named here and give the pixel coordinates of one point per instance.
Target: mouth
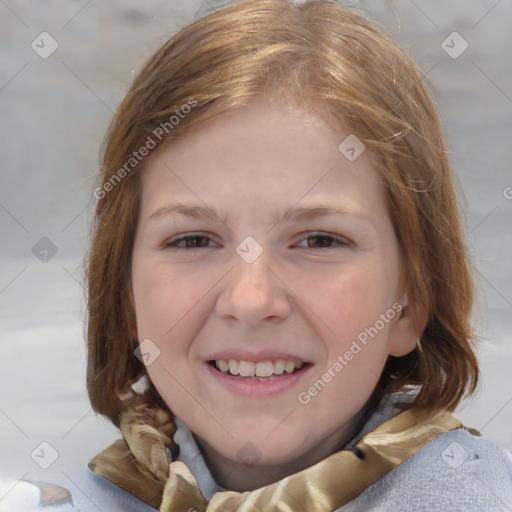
(259, 371)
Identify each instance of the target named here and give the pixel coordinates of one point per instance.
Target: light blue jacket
(456, 472)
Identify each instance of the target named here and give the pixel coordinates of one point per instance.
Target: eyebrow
(293, 213)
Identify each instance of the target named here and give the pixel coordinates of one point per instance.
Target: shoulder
(78, 490)
(455, 471)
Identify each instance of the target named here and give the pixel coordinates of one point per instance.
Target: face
(261, 249)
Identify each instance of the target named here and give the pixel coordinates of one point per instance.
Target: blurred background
(65, 66)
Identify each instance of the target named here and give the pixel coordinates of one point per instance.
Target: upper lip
(261, 355)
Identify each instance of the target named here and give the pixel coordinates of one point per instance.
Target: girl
(279, 291)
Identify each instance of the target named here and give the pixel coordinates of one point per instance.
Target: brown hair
(334, 61)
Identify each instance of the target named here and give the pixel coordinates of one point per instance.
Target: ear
(407, 329)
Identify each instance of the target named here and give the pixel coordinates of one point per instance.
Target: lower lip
(256, 388)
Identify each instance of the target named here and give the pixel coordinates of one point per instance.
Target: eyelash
(171, 244)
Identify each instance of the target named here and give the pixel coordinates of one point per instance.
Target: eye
(323, 241)
(188, 242)
(313, 241)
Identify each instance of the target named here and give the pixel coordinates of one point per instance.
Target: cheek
(170, 308)
(349, 300)
(350, 305)
(153, 298)
(161, 298)
(166, 308)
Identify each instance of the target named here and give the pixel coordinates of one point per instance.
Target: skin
(250, 164)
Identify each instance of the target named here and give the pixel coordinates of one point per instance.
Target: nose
(254, 292)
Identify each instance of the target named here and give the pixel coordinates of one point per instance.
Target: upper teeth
(261, 369)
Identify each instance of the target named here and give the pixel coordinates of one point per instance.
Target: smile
(262, 370)
(257, 379)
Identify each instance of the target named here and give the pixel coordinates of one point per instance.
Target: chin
(264, 451)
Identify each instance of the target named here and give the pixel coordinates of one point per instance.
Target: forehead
(268, 156)
(269, 130)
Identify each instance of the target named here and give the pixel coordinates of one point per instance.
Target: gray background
(54, 113)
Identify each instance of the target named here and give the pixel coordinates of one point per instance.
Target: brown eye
(189, 242)
(323, 241)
